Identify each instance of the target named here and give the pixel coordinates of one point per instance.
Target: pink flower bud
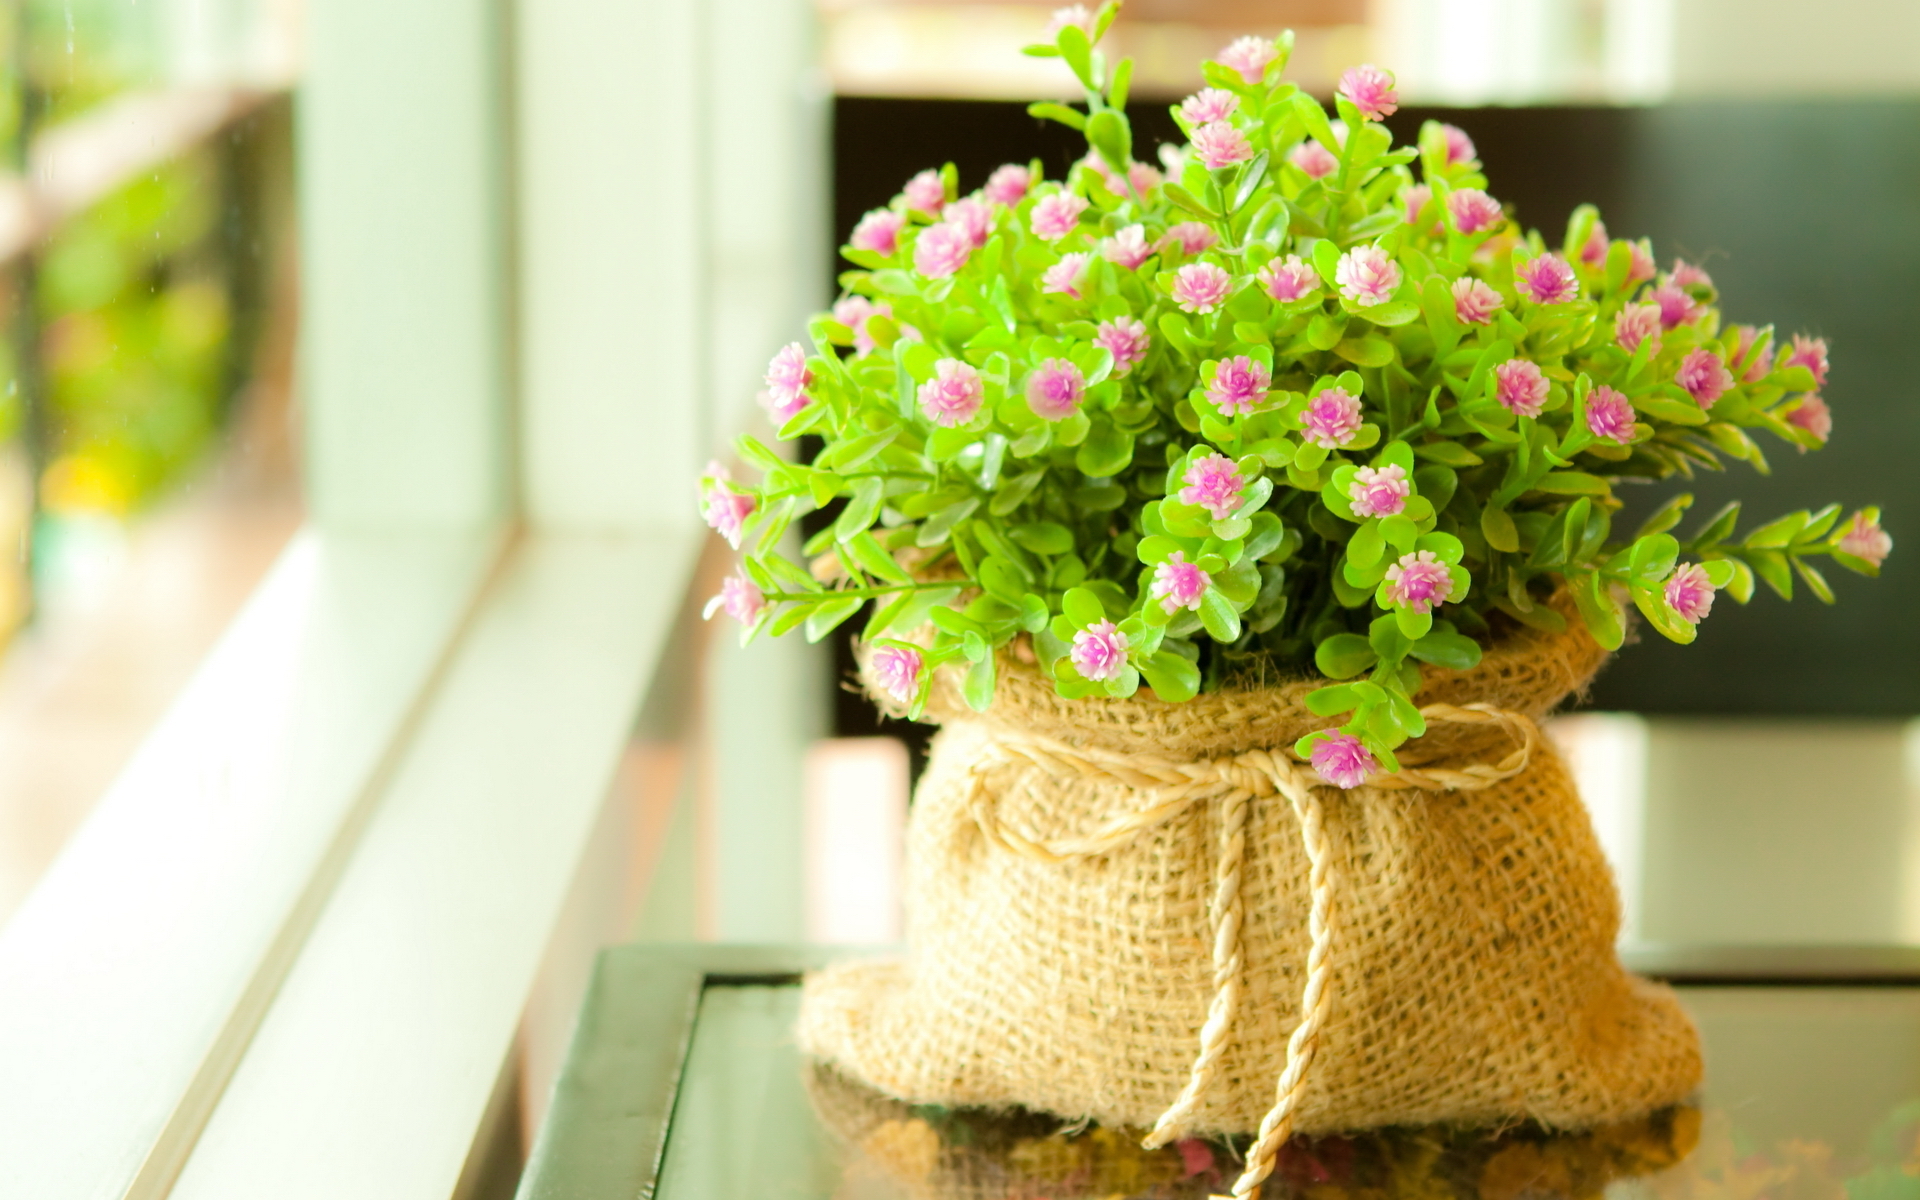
(1067, 275)
(1288, 279)
(878, 231)
(1474, 303)
(1056, 215)
(1609, 415)
(739, 598)
(1459, 146)
(1704, 377)
(1208, 105)
(1128, 248)
(1380, 492)
(1008, 184)
(1239, 385)
(1419, 582)
(1865, 539)
(1635, 324)
(854, 312)
(1415, 198)
(926, 192)
(1249, 56)
(1075, 15)
(1676, 307)
(1367, 275)
(1520, 387)
(974, 217)
(1686, 275)
(787, 381)
(1144, 178)
(1744, 337)
(1594, 252)
(897, 670)
(1640, 266)
(1313, 158)
(1127, 340)
(1811, 413)
(1192, 237)
(954, 394)
(1810, 353)
(1056, 389)
(1178, 584)
(1332, 419)
(725, 509)
(1371, 90)
(1100, 652)
(1212, 482)
(1473, 211)
(1690, 593)
(1546, 280)
(1343, 760)
(1200, 287)
(941, 250)
(1219, 144)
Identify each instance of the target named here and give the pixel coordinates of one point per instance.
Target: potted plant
(1237, 518)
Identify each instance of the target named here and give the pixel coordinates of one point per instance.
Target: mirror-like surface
(1812, 1094)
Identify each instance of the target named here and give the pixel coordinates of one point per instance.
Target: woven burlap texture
(1474, 952)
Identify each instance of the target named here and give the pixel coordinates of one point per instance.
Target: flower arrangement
(1283, 405)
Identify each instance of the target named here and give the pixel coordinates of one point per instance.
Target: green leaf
(1719, 527)
(1003, 577)
(861, 510)
(1572, 483)
(1072, 118)
(1452, 650)
(1172, 678)
(1448, 454)
(1498, 528)
(1106, 452)
(874, 559)
(1043, 537)
(1597, 609)
(1771, 566)
(1366, 351)
(1666, 516)
(1653, 605)
(828, 616)
(1367, 545)
(977, 689)
(1652, 557)
(1332, 701)
(1393, 312)
(939, 526)
(1777, 535)
(1082, 607)
(1013, 492)
(1344, 655)
(1218, 617)
(1187, 200)
(1108, 133)
(1074, 47)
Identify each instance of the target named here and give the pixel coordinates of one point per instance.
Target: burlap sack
(1077, 914)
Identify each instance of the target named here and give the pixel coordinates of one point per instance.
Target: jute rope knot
(1235, 783)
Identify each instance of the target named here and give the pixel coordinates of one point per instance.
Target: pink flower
(1473, 210)
(1812, 414)
(1192, 237)
(1128, 248)
(1208, 105)
(1178, 584)
(1640, 266)
(1239, 385)
(1676, 307)
(787, 380)
(897, 670)
(1249, 56)
(941, 250)
(1200, 287)
(1546, 280)
(1474, 302)
(1810, 353)
(1416, 198)
(878, 231)
(1066, 275)
(1744, 336)
(725, 509)
(1371, 91)
(1459, 145)
(1126, 339)
(1367, 275)
(973, 216)
(1099, 652)
(1219, 144)
(1690, 593)
(1144, 178)
(1075, 15)
(1686, 275)
(1332, 419)
(1343, 760)
(954, 394)
(1635, 324)
(1380, 492)
(1008, 185)
(1704, 377)
(1609, 415)
(1213, 483)
(1055, 216)
(1313, 158)
(926, 192)
(1288, 279)
(1056, 389)
(1419, 582)
(739, 598)
(1594, 253)
(1865, 539)
(854, 312)
(1140, 177)
(1520, 387)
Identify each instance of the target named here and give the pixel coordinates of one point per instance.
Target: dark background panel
(1807, 214)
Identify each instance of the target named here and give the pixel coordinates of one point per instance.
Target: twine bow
(1175, 787)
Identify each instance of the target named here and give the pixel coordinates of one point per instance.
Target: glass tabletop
(1812, 1093)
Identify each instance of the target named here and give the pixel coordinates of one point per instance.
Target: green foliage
(1201, 502)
